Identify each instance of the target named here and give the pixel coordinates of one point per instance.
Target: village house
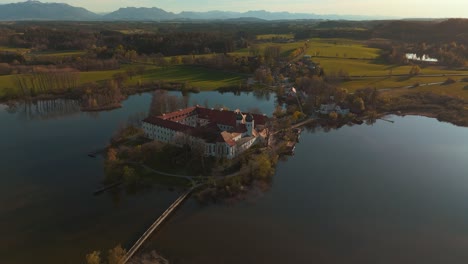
(331, 106)
(326, 109)
(220, 133)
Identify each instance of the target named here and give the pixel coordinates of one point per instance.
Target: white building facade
(221, 133)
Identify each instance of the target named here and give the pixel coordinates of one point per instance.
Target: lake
(386, 193)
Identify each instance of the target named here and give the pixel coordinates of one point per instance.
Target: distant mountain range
(35, 10)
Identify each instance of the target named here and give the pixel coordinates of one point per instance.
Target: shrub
(449, 81)
(333, 115)
(415, 70)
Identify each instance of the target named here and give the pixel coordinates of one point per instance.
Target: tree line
(46, 80)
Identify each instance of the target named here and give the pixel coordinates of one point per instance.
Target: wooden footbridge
(155, 225)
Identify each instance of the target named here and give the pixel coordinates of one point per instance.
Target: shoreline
(403, 113)
(455, 120)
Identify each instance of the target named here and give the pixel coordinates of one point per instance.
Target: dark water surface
(47, 211)
(387, 193)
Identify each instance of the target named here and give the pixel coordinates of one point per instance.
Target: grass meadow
(333, 55)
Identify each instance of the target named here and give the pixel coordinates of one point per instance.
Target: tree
(297, 115)
(358, 104)
(131, 55)
(272, 52)
(120, 77)
(93, 258)
(112, 154)
(129, 175)
(131, 72)
(261, 166)
(159, 59)
(415, 70)
(333, 115)
(279, 111)
(175, 60)
(116, 255)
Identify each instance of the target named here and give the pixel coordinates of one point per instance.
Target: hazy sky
(396, 8)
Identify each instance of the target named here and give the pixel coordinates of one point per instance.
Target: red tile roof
(178, 115)
(226, 117)
(158, 121)
(223, 117)
(211, 132)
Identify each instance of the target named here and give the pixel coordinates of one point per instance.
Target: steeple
(239, 117)
(249, 124)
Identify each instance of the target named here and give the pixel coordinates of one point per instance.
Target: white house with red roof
(221, 133)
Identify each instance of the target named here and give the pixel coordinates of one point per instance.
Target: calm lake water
(386, 193)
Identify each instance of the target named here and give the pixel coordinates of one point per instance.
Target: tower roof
(249, 118)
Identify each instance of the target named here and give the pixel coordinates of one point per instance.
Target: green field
(271, 36)
(341, 48)
(336, 48)
(97, 76)
(286, 48)
(6, 82)
(364, 66)
(392, 82)
(10, 49)
(202, 78)
(67, 53)
(44, 53)
(368, 69)
(454, 90)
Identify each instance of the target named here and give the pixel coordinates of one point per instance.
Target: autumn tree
(333, 115)
(358, 104)
(297, 116)
(129, 175)
(415, 70)
(263, 75)
(176, 60)
(116, 255)
(261, 166)
(121, 77)
(93, 258)
(112, 154)
(272, 53)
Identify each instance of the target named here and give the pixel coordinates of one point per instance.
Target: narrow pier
(387, 120)
(154, 226)
(108, 187)
(303, 123)
(94, 153)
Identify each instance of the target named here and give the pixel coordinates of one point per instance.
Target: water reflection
(262, 94)
(44, 109)
(355, 195)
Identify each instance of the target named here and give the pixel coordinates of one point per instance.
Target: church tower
(239, 118)
(249, 124)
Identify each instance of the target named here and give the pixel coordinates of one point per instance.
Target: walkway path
(166, 213)
(309, 120)
(155, 225)
(192, 179)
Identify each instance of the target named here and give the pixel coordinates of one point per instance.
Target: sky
(393, 8)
